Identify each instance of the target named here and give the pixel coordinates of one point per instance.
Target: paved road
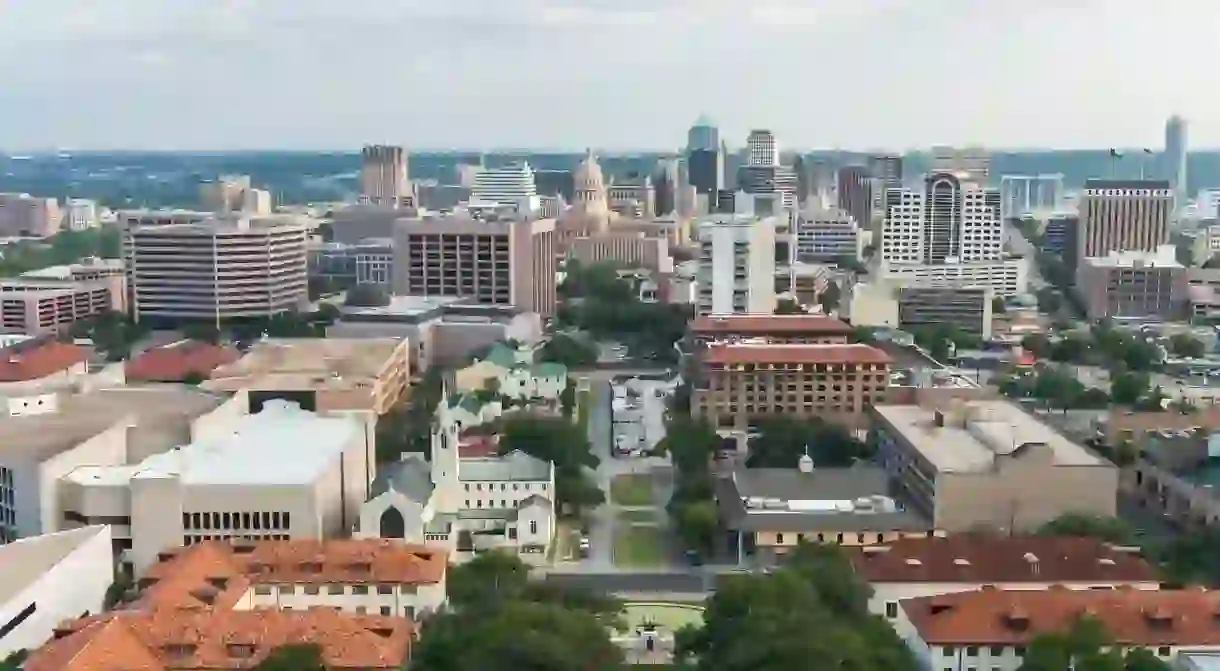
(601, 520)
(1015, 242)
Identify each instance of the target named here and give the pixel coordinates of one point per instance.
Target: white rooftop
(282, 445)
(1164, 257)
(975, 435)
(27, 559)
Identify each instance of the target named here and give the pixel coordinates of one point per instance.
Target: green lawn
(631, 489)
(639, 546)
(637, 516)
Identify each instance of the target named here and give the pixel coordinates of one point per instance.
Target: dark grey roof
(411, 477)
(837, 484)
(514, 466)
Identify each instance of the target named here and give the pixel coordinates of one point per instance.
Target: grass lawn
(630, 489)
(637, 516)
(639, 546)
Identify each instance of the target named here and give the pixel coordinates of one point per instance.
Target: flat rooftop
(28, 559)
(282, 445)
(769, 324)
(401, 306)
(975, 434)
(293, 363)
(82, 416)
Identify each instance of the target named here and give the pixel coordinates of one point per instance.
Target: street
(1016, 243)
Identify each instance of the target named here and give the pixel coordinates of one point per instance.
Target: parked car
(585, 547)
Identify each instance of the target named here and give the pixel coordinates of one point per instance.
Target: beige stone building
(739, 383)
(989, 464)
(322, 374)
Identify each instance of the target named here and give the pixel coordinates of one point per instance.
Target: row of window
(314, 590)
(478, 487)
(231, 521)
(192, 539)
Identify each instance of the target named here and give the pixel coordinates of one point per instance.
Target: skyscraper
(705, 158)
(855, 195)
(512, 184)
(1123, 216)
(666, 181)
(762, 149)
(1175, 158)
(946, 220)
(383, 176)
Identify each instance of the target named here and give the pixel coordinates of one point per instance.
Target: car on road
(585, 547)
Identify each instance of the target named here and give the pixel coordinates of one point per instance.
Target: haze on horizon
(615, 74)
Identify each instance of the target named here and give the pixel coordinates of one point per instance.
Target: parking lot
(638, 415)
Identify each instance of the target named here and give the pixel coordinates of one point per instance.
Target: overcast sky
(430, 74)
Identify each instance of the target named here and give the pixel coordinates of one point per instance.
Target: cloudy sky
(322, 74)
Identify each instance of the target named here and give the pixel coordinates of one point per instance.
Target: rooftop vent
(961, 562)
(1105, 561)
(1017, 618)
(911, 561)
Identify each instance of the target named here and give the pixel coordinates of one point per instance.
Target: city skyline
(318, 74)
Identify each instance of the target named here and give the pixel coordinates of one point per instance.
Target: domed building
(590, 212)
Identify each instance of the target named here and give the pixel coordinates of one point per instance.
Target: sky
(610, 74)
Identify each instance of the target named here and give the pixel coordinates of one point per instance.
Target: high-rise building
(383, 176)
(666, 183)
(855, 194)
(217, 269)
(510, 185)
(80, 214)
(703, 134)
(887, 168)
(736, 265)
(803, 182)
(510, 261)
(1175, 157)
(975, 162)
(947, 220)
(706, 170)
(1123, 216)
(762, 148)
(23, 215)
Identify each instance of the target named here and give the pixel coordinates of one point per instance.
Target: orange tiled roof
(977, 558)
(1133, 617)
(763, 324)
(793, 354)
(173, 363)
(34, 360)
(218, 574)
(172, 639)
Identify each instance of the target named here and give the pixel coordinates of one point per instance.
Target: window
(948, 650)
(266, 520)
(311, 589)
(334, 589)
(207, 521)
(360, 589)
(227, 522)
(216, 521)
(245, 520)
(1163, 651)
(779, 539)
(972, 651)
(286, 521)
(533, 526)
(385, 589)
(361, 610)
(275, 521)
(997, 650)
(891, 609)
(1019, 651)
(385, 610)
(288, 589)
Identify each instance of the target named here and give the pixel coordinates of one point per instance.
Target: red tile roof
(978, 558)
(730, 353)
(475, 445)
(32, 360)
(1145, 618)
(763, 324)
(173, 363)
(205, 638)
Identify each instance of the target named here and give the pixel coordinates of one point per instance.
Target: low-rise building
(31, 365)
(39, 306)
(740, 383)
(515, 375)
(968, 309)
(828, 235)
(322, 374)
(51, 578)
(357, 576)
(47, 435)
(443, 330)
(768, 512)
(776, 329)
(182, 361)
(1133, 284)
(913, 567)
(992, 629)
(281, 473)
(26, 216)
(989, 464)
(1175, 475)
(1007, 277)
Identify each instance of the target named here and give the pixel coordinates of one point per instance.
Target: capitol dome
(588, 176)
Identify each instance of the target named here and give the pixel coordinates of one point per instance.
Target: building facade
(500, 262)
(828, 235)
(512, 185)
(24, 216)
(947, 220)
(989, 464)
(966, 308)
(215, 270)
(1133, 285)
(384, 176)
(736, 265)
(1124, 216)
(1007, 277)
(741, 383)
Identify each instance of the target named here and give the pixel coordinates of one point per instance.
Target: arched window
(392, 524)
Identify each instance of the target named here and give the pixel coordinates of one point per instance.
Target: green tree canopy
(569, 351)
(783, 440)
(557, 440)
(1109, 529)
(306, 657)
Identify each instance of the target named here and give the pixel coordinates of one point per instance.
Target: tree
(810, 613)
(488, 578)
(408, 427)
(830, 297)
(997, 305)
(300, 657)
(14, 660)
(117, 590)
(567, 399)
(1128, 388)
(1080, 648)
(1037, 344)
(1190, 558)
(691, 444)
(569, 351)
(788, 306)
(1187, 346)
(561, 442)
(1109, 529)
(366, 296)
(863, 334)
(697, 522)
(783, 440)
(202, 332)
